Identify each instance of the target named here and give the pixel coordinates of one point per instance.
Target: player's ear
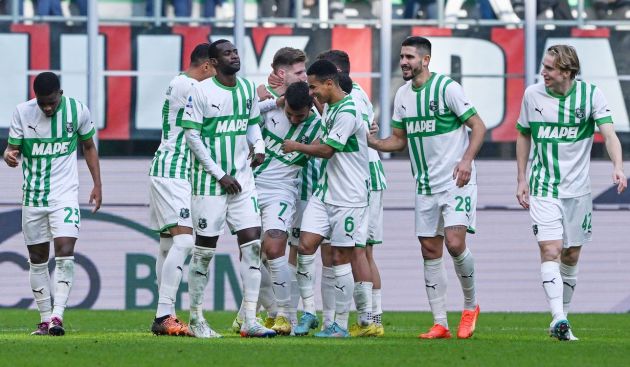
(61, 92)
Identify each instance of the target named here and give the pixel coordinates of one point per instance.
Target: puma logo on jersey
(188, 113)
(50, 148)
(180, 269)
(404, 108)
(538, 110)
(274, 122)
(349, 235)
(427, 126)
(551, 132)
(33, 128)
(284, 221)
(338, 136)
(239, 125)
(218, 107)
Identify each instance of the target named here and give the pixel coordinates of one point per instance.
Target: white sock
(172, 271)
(344, 289)
(465, 270)
(328, 296)
(569, 281)
(281, 284)
(552, 284)
(40, 285)
(363, 300)
(198, 275)
(251, 265)
(306, 281)
(295, 294)
(266, 298)
(435, 285)
(165, 246)
(377, 310)
(64, 277)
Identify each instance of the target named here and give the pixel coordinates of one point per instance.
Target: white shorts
(453, 207)
(42, 224)
(169, 203)
(277, 211)
(375, 218)
(210, 213)
(345, 226)
(568, 219)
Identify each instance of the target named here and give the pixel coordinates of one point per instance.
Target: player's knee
(65, 248)
(570, 256)
(274, 245)
(342, 256)
(550, 251)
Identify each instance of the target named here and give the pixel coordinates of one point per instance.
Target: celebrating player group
(295, 163)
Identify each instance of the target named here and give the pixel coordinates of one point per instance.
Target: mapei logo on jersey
(229, 126)
(50, 148)
(275, 147)
(427, 126)
(184, 213)
(555, 132)
(579, 113)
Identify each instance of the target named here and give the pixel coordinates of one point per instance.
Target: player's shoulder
(182, 81)
(246, 83)
(28, 105)
(533, 90)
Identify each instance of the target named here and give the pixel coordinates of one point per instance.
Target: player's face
(228, 62)
(412, 62)
(319, 89)
(294, 73)
(296, 117)
(553, 77)
(48, 104)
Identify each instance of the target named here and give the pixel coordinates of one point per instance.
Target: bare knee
(274, 243)
(38, 254)
(550, 250)
(571, 255)
(342, 255)
(64, 246)
(432, 247)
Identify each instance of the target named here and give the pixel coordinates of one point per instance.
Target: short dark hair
(337, 57)
(323, 70)
(345, 82)
(213, 50)
(287, 56)
(200, 54)
(46, 83)
(420, 43)
(297, 96)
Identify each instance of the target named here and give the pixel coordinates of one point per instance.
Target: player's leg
(430, 233)
(327, 285)
(37, 238)
(313, 229)
(375, 238)
(344, 289)
(459, 218)
(166, 242)
(266, 297)
(377, 310)
(295, 289)
(243, 218)
(546, 214)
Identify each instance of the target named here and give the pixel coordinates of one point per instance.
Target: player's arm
(523, 146)
(315, 149)
(463, 170)
(91, 158)
(16, 135)
(11, 155)
(254, 135)
(394, 143)
(613, 147)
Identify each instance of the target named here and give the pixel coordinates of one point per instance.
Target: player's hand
(230, 184)
(289, 146)
(619, 179)
(462, 172)
(11, 158)
(275, 81)
(374, 128)
(257, 160)
(96, 198)
(522, 194)
(263, 93)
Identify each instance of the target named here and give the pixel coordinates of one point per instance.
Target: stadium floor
(122, 338)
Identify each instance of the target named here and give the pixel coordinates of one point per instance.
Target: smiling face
(293, 73)
(228, 62)
(412, 62)
(321, 90)
(554, 78)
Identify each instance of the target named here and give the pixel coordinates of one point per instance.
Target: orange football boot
(467, 324)
(436, 332)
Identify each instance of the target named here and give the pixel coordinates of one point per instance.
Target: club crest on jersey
(304, 139)
(203, 223)
(535, 229)
(433, 105)
(69, 127)
(184, 213)
(249, 103)
(579, 113)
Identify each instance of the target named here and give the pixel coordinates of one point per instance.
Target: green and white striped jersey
(308, 178)
(49, 146)
(280, 170)
(433, 117)
(377, 173)
(223, 115)
(172, 158)
(562, 129)
(345, 177)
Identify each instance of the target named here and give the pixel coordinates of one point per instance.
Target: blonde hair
(565, 58)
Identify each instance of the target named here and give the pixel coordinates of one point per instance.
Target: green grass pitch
(122, 338)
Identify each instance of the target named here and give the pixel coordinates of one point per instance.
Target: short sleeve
(522, 124)
(600, 110)
(179, 97)
(16, 133)
(194, 110)
(457, 101)
(398, 113)
(343, 128)
(86, 125)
